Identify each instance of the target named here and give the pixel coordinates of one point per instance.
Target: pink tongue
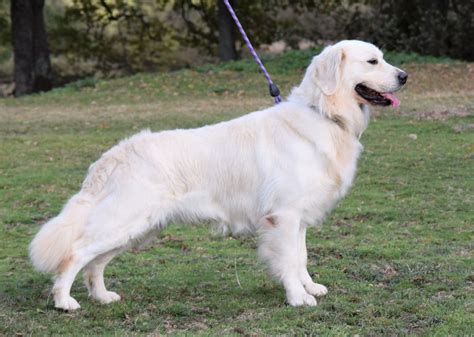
(395, 101)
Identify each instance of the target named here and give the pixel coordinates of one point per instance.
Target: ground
(396, 254)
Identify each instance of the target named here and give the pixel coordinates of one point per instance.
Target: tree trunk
(42, 63)
(32, 64)
(227, 50)
(22, 37)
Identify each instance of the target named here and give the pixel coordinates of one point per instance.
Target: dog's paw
(67, 304)
(316, 289)
(297, 300)
(107, 297)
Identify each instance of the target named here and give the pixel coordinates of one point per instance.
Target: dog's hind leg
(95, 254)
(65, 276)
(94, 278)
(279, 248)
(108, 232)
(310, 286)
(88, 247)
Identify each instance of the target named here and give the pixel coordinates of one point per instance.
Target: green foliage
(438, 28)
(260, 19)
(296, 60)
(4, 23)
(5, 34)
(399, 58)
(285, 63)
(117, 35)
(114, 37)
(88, 82)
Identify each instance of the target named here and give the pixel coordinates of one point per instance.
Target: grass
(396, 254)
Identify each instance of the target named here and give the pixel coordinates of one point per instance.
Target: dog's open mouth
(377, 98)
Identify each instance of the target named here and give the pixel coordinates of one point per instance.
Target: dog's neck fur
(348, 115)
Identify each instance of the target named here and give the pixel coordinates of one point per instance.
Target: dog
(272, 172)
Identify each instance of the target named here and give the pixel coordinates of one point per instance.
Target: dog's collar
(339, 121)
(336, 119)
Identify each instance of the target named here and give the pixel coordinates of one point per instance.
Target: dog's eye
(373, 61)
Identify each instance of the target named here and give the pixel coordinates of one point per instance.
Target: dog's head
(359, 68)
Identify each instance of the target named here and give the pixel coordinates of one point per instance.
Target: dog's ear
(327, 69)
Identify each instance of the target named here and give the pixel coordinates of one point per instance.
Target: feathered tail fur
(52, 246)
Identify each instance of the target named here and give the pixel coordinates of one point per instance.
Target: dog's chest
(328, 180)
(345, 165)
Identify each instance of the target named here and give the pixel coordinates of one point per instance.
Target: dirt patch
(436, 92)
(459, 128)
(440, 78)
(442, 295)
(439, 113)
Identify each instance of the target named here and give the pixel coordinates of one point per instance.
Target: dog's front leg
(310, 286)
(279, 247)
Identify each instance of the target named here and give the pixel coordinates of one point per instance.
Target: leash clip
(274, 91)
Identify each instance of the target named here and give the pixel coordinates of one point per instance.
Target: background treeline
(94, 37)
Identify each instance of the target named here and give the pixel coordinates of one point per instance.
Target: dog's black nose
(402, 77)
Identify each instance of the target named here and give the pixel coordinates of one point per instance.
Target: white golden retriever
(273, 172)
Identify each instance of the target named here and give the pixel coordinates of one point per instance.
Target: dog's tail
(52, 246)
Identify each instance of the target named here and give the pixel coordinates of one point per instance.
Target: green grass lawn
(396, 254)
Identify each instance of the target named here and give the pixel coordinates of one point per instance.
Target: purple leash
(274, 91)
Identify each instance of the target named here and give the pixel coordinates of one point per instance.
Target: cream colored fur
(272, 172)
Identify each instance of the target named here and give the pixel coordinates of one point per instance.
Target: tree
(32, 63)
(210, 26)
(227, 50)
(115, 36)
